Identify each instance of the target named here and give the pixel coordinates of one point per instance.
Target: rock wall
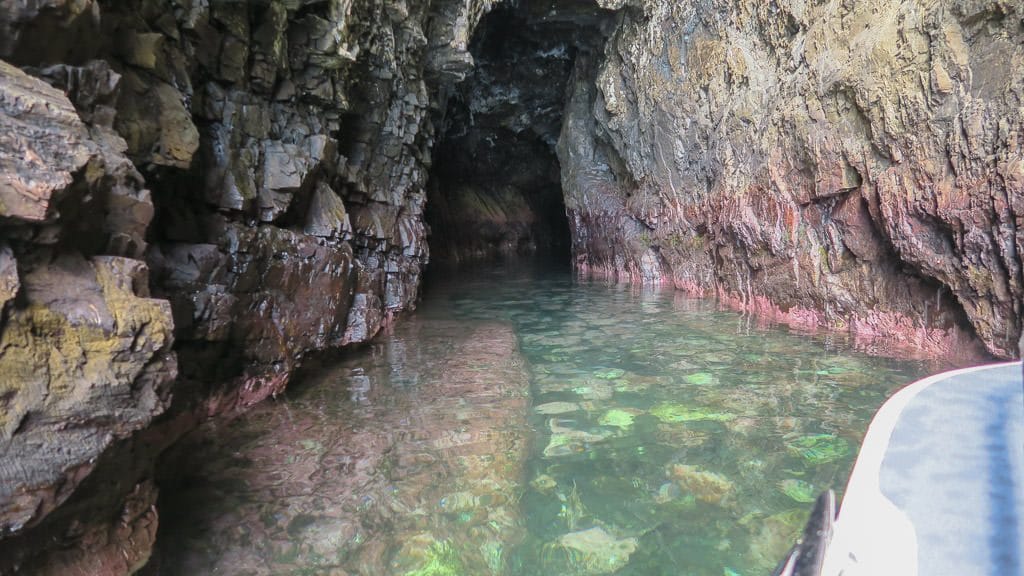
(856, 165)
(194, 195)
(85, 353)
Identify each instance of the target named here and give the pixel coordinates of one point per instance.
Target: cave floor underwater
(526, 422)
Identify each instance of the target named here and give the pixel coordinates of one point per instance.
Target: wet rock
(85, 353)
(495, 189)
(557, 408)
(597, 551)
(706, 486)
(327, 216)
(265, 134)
(619, 418)
(153, 119)
(122, 547)
(839, 211)
(280, 152)
(32, 32)
(259, 299)
(9, 282)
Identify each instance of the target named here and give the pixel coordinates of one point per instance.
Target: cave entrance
(495, 187)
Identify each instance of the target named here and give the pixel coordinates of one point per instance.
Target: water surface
(525, 423)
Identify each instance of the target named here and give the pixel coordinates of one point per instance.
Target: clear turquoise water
(654, 434)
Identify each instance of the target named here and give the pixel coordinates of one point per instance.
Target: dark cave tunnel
(495, 187)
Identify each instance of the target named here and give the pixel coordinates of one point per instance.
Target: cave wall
(856, 165)
(495, 188)
(194, 195)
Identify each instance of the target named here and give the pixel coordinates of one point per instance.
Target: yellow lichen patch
(83, 349)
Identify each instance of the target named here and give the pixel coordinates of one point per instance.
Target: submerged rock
(619, 418)
(669, 413)
(595, 551)
(709, 487)
(421, 477)
(544, 484)
(819, 448)
(553, 408)
(798, 490)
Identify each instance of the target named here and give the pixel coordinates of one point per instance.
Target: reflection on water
(526, 424)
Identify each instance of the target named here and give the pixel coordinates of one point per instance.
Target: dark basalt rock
(495, 189)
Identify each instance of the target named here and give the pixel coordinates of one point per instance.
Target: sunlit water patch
(528, 424)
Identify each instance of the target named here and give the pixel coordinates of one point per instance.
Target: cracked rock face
(85, 353)
(848, 164)
(258, 167)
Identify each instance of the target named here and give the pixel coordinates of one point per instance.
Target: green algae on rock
(798, 490)
(618, 418)
(819, 448)
(669, 412)
(699, 379)
(441, 560)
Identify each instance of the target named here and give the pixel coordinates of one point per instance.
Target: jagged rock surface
(281, 151)
(85, 354)
(849, 164)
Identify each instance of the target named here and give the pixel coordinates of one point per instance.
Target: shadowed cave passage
(495, 186)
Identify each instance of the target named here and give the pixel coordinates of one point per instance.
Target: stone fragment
(93, 89)
(364, 318)
(551, 408)
(42, 143)
(141, 49)
(153, 120)
(327, 217)
(941, 81)
(709, 487)
(598, 552)
(9, 282)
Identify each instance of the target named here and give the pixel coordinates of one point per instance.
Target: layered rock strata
(855, 165)
(85, 353)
